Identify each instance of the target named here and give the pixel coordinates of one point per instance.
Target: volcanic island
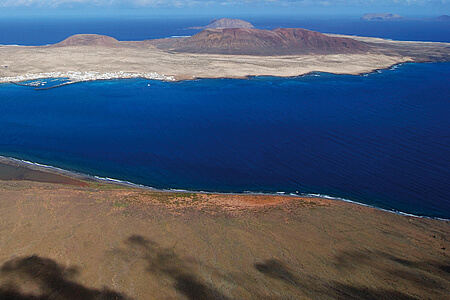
(70, 236)
(217, 51)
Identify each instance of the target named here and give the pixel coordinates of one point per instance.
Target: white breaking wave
(371, 206)
(310, 195)
(120, 181)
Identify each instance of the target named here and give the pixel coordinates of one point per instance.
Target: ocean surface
(42, 31)
(381, 139)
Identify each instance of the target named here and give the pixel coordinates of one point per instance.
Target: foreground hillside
(109, 242)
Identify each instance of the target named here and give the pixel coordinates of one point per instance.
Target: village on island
(73, 77)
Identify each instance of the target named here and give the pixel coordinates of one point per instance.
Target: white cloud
(55, 3)
(186, 3)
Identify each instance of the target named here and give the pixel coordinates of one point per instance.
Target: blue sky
(224, 7)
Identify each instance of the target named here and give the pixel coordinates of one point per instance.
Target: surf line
(85, 176)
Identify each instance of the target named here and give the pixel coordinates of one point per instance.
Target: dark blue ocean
(381, 139)
(41, 31)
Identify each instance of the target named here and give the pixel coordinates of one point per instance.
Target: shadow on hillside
(429, 276)
(276, 269)
(391, 276)
(49, 279)
(164, 262)
(323, 289)
(39, 278)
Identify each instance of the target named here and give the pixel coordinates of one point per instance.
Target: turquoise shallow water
(381, 139)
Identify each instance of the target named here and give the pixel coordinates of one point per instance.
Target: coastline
(87, 179)
(86, 76)
(142, 59)
(77, 77)
(74, 77)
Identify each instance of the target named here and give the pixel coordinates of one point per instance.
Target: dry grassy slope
(64, 242)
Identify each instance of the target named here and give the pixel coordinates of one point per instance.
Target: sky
(409, 8)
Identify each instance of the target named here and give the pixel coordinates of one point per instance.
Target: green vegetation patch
(120, 204)
(174, 198)
(107, 186)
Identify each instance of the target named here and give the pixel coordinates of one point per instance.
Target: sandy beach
(143, 59)
(93, 240)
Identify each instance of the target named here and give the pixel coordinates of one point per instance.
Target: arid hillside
(88, 40)
(250, 41)
(103, 241)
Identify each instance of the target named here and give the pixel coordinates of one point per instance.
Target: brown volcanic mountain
(89, 40)
(250, 41)
(225, 23)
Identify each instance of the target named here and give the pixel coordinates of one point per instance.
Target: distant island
(212, 53)
(394, 17)
(445, 18)
(225, 23)
(382, 17)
